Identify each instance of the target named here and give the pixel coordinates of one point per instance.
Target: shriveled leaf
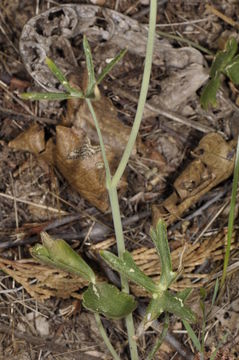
(160, 240)
(60, 255)
(209, 93)
(82, 165)
(106, 299)
(214, 163)
(32, 139)
(223, 58)
(232, 70)
(127, 267)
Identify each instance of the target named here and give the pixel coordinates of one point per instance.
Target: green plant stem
(102, 146)
(231, 216)
(186, 41)
(142, 96)
(114, 202)
(112, 183)
(105, 337)
(161, 338)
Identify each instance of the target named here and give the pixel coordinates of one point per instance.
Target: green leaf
(192, 336)
(57, 73)
(127, 267)
(160, 240)
(45, 96)
(110, 66)
(160, 339)
(215, 292)
(90, 68)
(184, 294)
(223, 58)
(176, 306)
(61, 77)
(106, 299)
(170, 303)
(232, 70)
(208, 96)
(59, 254)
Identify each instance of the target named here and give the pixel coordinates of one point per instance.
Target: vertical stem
(142, 96)
(102, 146)
(114, 202)
(105, 337)
(231, 216)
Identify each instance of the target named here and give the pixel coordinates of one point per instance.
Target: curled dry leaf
(214, 162)
(32, 140)
(75, 157)
(82, 165)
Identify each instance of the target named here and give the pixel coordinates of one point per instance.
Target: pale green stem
(112, 183)
(102, 146)
(114, 202)
(142, 96)
(161, 338)
(105, 337)
(231, 216)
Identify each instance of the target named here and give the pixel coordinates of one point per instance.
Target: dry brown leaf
(214, 163)
(31, 140)
(82, 165)
(75, 157)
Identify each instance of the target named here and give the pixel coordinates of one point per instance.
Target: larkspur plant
(104, 298)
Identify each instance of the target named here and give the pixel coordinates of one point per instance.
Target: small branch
(105, 337)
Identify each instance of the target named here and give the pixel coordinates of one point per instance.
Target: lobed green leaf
(169, 303)
(209, 93)
(223, 58)
(106, 299)
(59, 254)
(127, 267)
(160, 240)
(232, 70)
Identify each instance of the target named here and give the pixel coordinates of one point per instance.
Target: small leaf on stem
(127, 267)
(209, 93)
(110, 66)
(60, 255)
(106, 299)
(90, 68)
(160, 240)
